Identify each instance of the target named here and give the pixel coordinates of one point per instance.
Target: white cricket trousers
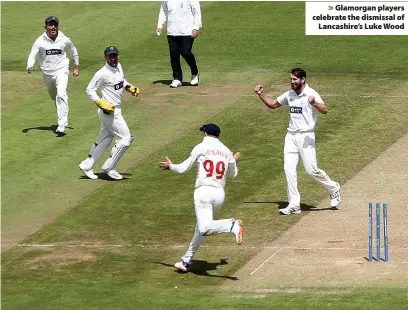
(303, 144)
(114, 125)
(207, 200)
(57, 85)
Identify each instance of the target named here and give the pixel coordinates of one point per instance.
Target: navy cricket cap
(111, 50)
(211, 129)
(50, 19)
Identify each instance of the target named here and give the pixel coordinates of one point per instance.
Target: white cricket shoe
(195, 79)
(60, 129)
(335, 197)
(113, 174)
(182, 266)
(290, 210)
(88, 172)
(238, 230)
(175, 84)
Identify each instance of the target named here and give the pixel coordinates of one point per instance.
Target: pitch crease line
(260, 266)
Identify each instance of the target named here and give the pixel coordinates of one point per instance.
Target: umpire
(183, 19)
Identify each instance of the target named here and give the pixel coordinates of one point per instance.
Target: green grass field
(136, 229)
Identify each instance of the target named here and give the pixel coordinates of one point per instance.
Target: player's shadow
(201, 268)
(284, 204)
(168, 82)
(103, 176)
(303, 206)
(52, 128)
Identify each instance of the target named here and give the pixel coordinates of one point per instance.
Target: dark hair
(299, 73)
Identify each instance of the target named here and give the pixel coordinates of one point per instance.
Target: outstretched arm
(268, 101)
(178, 168)
(184, 166)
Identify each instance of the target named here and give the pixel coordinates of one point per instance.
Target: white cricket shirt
(181, 17)
(111, 82)
(303, 116)
(52, 54)
(214, 161)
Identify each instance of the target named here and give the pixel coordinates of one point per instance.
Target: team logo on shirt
(297, 110)
(118, 86)
(53, 52)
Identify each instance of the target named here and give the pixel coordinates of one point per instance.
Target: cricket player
(111, 83)
(304, 105)
(51, 47)
(214, 162)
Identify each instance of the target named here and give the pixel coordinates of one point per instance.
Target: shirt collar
(110, 68)
(59, 36)
(210, 138)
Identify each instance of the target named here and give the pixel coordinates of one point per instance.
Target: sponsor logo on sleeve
(53, 52)
(118, 86)
(297, 110)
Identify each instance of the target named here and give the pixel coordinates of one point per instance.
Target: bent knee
(203, 228)
(313, 171)
(126, 141)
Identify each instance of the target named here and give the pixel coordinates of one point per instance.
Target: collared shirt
(214, 162)
(52, 54)
(182, 17)
(111, 82)
(303, 116)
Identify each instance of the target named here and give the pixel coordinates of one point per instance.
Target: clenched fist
(258, 89)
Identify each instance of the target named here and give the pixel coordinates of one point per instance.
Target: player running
(214, 162)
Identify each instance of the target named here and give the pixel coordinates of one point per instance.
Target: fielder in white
(214, 162)
(51, 47)
(304, 105)
(111, 82)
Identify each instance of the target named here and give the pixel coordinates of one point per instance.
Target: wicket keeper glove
(135, 91)
(105, 106)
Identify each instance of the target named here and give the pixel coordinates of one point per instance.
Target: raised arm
(268, 101)
(318, 103)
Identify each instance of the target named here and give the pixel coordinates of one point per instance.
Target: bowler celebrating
(304, 104)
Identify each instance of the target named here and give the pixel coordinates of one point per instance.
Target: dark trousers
(181, 45)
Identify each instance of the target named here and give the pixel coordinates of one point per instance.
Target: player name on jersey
(217, 152)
